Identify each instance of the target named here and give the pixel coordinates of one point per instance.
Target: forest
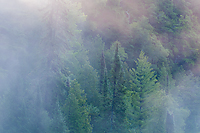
(99, 66)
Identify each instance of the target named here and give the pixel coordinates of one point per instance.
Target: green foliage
(118, 106)
(143, 83)
(110, 54)
(156, 122)
(143, 38)
(165, 78)
(43, 51)
(58, 123)
(103, 85)
(167, 113)
(88, 80)
(76, 110)
(61, 33)
(94, 45)
(169, 18)
(173, 21)
(23, 112)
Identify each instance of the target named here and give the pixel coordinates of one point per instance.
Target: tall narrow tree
(102, 72)
(118, 106)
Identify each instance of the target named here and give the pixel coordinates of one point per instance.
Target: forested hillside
(99, 66)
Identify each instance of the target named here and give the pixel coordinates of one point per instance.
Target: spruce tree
(76, 110)
(105, 106)
(170, 18)
(143, 82)
(88, 81)
(102, 72)
(60, 34)
(103, 78)
(118, 106)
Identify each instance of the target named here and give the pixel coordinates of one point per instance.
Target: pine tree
(59, 36)
(103, 78)
(118, 106)
(76, 110)
(143, 82)
(88, 81)
(61, 33)
(102, 73)
(105, 106)
(170, 18)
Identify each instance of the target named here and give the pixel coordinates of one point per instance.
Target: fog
(51, 54)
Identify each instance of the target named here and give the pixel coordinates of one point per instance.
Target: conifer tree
(143, 82)
(171, 19)
(59, 36)
(88, 82)
(105, 96)
(102, 72)
(102, 123)
(103, 77)
(61, 33)
(118, 106)
(76, 110)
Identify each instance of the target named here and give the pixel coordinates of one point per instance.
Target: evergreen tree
(110, 55)
(161, 119)
(118, 106)
(76, 110)
(103, 77)
(58, 123)
(94, 46)
(103, 123)
(143, 82)
(104, 89)
(170, 18)
(87, 77)
(60, 38)
(88, 82)
(102, 73)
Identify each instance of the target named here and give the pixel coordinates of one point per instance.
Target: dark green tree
(104, 120)
(118, 106)
(102, 75)
(169, 17)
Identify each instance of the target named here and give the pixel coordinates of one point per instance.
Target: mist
(94, 66)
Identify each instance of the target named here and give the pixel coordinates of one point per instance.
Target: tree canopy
(99, 66)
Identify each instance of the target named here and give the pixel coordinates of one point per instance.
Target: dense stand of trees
(100, 66)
